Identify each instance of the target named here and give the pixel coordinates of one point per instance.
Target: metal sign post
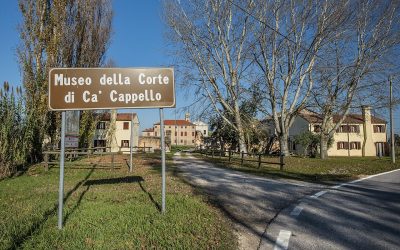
(162, 136)
(131, 146)
(61, 185)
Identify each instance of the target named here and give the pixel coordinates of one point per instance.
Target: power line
(270, 27)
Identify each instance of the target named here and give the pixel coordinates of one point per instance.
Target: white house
(114, 130)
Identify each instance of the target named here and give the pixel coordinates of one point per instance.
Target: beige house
(114, 130)
(359, 134)
(177, 132)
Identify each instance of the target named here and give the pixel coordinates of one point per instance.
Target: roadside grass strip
(108, 209)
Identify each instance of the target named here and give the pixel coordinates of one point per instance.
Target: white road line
(362, 179)
(315, 196)
(282, 243)
(297, 210)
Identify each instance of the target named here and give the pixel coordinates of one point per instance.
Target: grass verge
(329, 171)
(108, 209)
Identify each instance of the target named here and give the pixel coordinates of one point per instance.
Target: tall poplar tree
(57, 33)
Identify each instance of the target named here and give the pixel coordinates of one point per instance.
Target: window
(354, 129)
(101, 125)
(169, 127)
(192, 141)
(124, 143)
(379, 129)
(181, 133)
(176, 133)
(348, 129)
(148, 133)
(355, 145)
(185, 133)
(342, 145)
(342, 129)
(204, 132)
(192, 133)
(317, 128)
(126, 125)
(181, 141)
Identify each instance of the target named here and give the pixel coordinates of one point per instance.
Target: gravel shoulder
(250, 202)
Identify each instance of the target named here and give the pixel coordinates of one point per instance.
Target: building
(114, 130)
(359, 134)
(177, 132)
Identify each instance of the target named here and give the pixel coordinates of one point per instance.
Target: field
(329, 171)
(108, 209)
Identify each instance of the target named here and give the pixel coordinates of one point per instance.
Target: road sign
(71, 141)
(107, 88)
(111, 88)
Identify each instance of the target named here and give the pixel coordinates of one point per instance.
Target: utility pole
(393, 152)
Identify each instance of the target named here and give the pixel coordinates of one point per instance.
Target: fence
(73, 154)
(231, 157)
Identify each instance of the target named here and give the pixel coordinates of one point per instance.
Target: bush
(12, 129)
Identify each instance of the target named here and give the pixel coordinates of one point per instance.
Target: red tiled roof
(120, 116)
(149, 130)
(313, 117)
(176, 122)
(357, 119)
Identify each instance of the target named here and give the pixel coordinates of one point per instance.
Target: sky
(137, 41)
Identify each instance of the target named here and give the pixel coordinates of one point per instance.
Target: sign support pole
(162, 159)
(61, 184)
(131, 146)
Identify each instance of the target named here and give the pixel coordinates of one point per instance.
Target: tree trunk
(324, 146)
(283, 143)
(242, 138)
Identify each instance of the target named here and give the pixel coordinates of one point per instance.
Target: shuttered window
(355, 145)
(342, 145)
(379, 129)
(126, 125)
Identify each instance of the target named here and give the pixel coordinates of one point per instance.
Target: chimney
(187, 117)
(368, 147)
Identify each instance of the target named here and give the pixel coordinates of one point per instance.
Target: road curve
(251, 202)
(364, 214)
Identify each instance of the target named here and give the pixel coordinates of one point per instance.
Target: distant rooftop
(176, 123)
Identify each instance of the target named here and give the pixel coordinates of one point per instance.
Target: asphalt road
(360, 215)
(251, 202)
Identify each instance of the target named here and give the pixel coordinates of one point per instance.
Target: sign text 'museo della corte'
(111, 88)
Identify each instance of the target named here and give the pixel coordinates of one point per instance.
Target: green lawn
(329, 171)
(108, 209)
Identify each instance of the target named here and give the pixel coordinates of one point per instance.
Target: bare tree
(57, 33)
(291, 35)
(212, 41)
(357, 62)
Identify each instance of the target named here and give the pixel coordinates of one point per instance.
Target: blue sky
(137, 41)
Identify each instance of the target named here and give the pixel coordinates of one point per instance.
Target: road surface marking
(282, 243)
(315, 196)
(362, 179)
(297, 210)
